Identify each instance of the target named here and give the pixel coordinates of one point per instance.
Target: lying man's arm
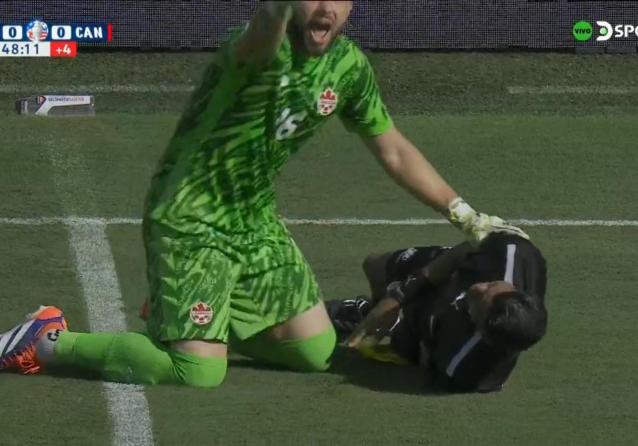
(384, 314)
(434, 273)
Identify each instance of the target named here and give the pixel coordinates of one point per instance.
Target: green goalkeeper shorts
(201, 290)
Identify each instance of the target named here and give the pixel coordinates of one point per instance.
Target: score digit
(12, 32)
(61, 32)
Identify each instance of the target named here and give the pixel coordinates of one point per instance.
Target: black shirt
(436, 328)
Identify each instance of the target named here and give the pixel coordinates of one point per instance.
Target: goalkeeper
(465, 313)
(222, 268)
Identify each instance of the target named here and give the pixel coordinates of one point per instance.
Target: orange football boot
(17, 346)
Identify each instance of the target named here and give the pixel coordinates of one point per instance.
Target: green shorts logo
(582, 31)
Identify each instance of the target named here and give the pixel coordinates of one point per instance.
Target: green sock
(135, 358)
(304, 355)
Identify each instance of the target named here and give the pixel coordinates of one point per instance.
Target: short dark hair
(516, 320)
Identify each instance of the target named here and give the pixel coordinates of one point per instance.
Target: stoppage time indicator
(39, 49)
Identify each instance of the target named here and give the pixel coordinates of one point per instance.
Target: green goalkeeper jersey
(240, 126)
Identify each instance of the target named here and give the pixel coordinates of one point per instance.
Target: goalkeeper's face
(316, 24)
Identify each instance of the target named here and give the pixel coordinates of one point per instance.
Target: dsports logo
(584, 31)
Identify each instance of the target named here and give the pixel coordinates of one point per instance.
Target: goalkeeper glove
(475, 225)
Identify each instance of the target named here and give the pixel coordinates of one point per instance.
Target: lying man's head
(506, 318)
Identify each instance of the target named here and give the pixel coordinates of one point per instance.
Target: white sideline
(89, 221)
(572, 89)
(97, 88)
(95, 267)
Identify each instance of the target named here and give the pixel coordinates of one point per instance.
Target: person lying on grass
(465, 313)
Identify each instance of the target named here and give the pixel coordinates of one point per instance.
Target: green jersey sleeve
(226, 52)
(247, 71)
(364, 111)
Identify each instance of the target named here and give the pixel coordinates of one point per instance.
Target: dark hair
(515, 320)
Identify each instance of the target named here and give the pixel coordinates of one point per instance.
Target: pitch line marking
(568, 89)
(95, 268)
(99, 221)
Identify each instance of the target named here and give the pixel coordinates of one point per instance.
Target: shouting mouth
(320, 31)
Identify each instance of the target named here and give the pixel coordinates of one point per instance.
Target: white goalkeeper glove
(475, 225)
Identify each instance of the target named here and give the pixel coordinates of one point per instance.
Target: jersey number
(287, 124)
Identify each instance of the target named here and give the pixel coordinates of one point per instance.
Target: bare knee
(204, 349)
(307, 324)
(305, 342)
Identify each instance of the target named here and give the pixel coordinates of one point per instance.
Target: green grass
(36, 268)
(555, 156)
(412, 83)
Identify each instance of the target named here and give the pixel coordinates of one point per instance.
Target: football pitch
(546, 138)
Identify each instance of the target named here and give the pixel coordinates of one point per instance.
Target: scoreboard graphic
(39, 39)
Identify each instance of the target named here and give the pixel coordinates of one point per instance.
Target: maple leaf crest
(328, 95)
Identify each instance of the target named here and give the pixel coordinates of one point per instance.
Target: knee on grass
(137, 359)
(308, 355)
(198, 371)
(312, 354)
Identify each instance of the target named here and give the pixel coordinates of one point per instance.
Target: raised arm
(265, 32)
